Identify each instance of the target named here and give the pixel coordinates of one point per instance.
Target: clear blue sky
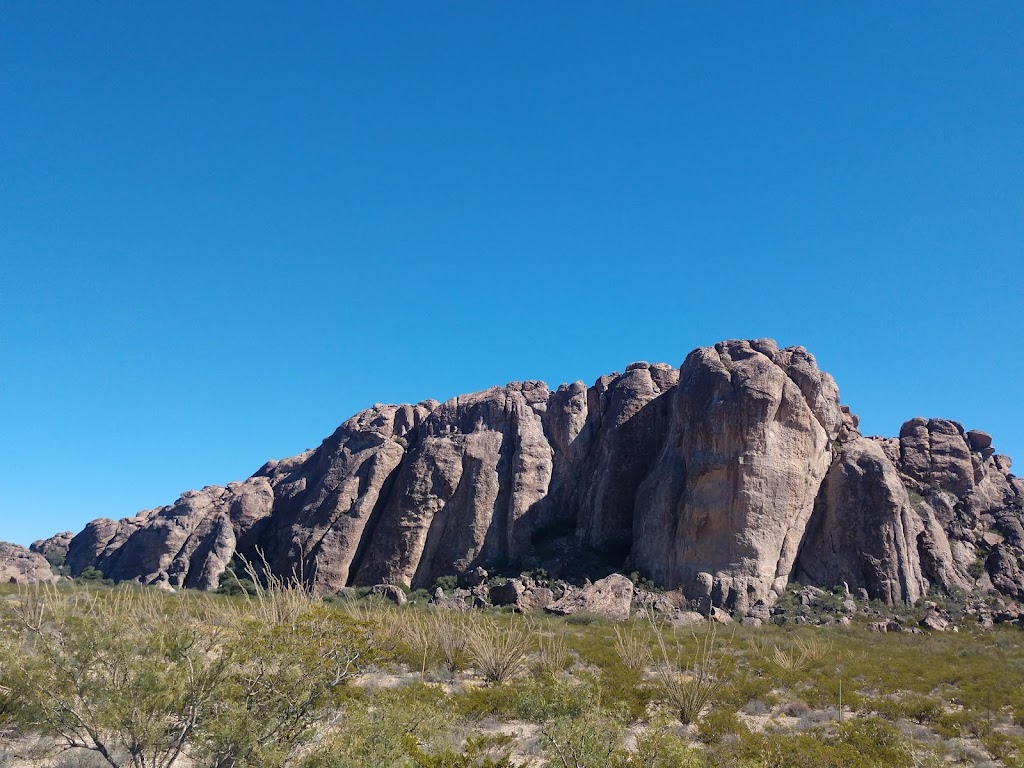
(226, 227)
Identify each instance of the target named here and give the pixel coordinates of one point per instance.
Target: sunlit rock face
(725, 478)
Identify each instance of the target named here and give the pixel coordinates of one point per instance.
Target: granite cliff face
(725, 478)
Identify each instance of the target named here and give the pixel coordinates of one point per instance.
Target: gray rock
(864, 530)
(610, 597)
(55, 548)
(936, 621)
(979, 440)
(21, 566)
(707, 478)
(507, 593)
(390, 592)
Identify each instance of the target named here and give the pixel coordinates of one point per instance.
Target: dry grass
(277, 600)
(689, 683)
(805, 650)
(450, 637)
(632, 650)
(498, 654)
(552, 652)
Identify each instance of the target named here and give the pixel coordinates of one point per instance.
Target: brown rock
(390, 592)
(935, 621)
(979, 440)
(507, 593)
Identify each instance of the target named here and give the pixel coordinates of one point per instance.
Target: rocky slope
(725, 479)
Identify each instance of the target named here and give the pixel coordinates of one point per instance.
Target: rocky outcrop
(521, 594)
(970, 506)
(721, 480)
(188, 544)
(726, 504)
(21, 566)
(55, 548)
(863, 531)
(610, 597)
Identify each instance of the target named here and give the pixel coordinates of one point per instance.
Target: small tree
(283, 680)
(128, 674)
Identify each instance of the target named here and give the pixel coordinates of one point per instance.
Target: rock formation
(55, 548)
(723, 479)
(21, 566)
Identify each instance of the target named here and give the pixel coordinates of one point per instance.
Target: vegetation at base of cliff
(128, 676)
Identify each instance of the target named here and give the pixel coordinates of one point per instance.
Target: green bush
(447, 583)
(718, 724)
(592, 740)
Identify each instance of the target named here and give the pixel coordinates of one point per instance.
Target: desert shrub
(593, 740)
(689, 682)
(448, 582)
(582, 619)
(796, 708)
(859, 743)
(234, 581)
(755, 707)
(419, 647)
(552, 652)
(659, 747)
(377, 730)
(741, 689)
(498, 653)
(1004, 747)
(478, 752)
(911, 706)
(632, 649)
(717, 724)
(282, 679)
(532, 699)
(802, 652)
(93, 575)
(127, 671)
(625, 688)
(450, 634)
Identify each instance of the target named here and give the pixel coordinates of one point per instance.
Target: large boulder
(610, 597)
(21, 566)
